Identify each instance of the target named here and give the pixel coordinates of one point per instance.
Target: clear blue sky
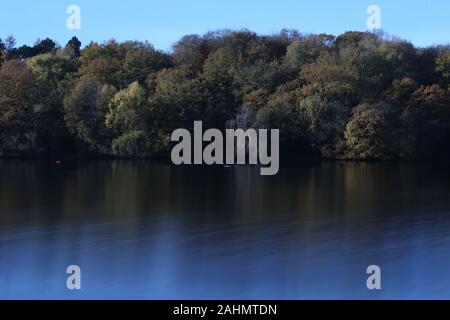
(424, 22)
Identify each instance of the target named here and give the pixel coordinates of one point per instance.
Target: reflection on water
(142, 230)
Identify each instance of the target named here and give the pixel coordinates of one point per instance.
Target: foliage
(368, 134)
(85, 117)
(359, 95)
(21, 102)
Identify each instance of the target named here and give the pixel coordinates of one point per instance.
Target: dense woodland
(355, 96)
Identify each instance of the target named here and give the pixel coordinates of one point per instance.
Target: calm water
(142, 230)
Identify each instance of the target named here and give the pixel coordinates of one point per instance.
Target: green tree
(132, 144)
(73, 47)
(55, 72)
(307, 49)
(220, 66)
(140, 60)
(326, 123)
(128, 117)
(400, 91)
(56, 69)
(179, 99)
(128, 110)
(85, 111)
(443, 64)
(102, 63)
(331, 80)
(286, 117)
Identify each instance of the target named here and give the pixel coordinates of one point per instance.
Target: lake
(143, 230)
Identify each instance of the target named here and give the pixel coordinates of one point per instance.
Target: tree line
(358, 95)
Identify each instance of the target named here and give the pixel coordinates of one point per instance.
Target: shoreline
(284, 161)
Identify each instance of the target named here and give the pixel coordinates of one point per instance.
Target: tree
(103, 63)
(325, 121)
(331, 80)
(255, 76)
(55, 73)
(306, 49)
(73, 47)
(9, 51)
(40, 47)
(24, 52)
(399, 59)
(21, 102)
(132, 144)
(220, 65)
(191, 50)
(85, 114)
(256, 99)
(2, 51)
(140, 60)
(44, 46)
(369, 134)
(10, 43)
(293, 132)
(298, 54)
(128, 110)
(56, 69)
(179, 99)
(428, 117)
(128, 117)
(425, 71)
(400, 91)
(443, 64)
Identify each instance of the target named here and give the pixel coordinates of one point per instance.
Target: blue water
(152, 231)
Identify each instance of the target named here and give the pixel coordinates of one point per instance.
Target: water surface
(140, 230)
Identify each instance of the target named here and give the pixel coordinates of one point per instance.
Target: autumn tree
(369, 134)
(428, 118)
(21, 102)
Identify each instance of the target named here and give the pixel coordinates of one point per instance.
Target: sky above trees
(423, 22)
